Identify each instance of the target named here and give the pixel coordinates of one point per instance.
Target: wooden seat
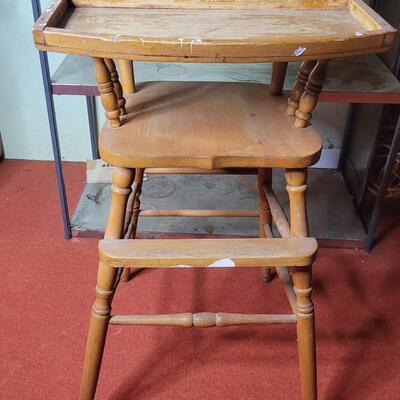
(208, 125)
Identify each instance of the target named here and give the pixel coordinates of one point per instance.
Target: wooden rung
(200, 171)
(278, 215)
(173, 253)
(198, 213)
(203, 319)
(286, 280)
(284, 276)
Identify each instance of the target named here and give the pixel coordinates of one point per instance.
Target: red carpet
(47, 291)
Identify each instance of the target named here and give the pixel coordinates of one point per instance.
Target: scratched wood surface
(183, 124)
(224, 4)
(152, 253)
(213, 31)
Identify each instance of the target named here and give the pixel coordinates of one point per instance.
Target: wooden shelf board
(361, 79)
(332, 215)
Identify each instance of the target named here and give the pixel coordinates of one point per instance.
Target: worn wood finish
(107, 92)
(169, 130)
(106, 280)
(278, 78)
(264, 176)
(298, 88)
(302, 285)
(133, 210)
(214, 31)
(117, 85)
(127, 76)
(278, 215)
(212, 4)
(172, 253)
(284, 276)
(203, 319)
(309, 98)
(286, 280)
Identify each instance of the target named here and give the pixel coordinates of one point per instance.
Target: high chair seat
(208, 125)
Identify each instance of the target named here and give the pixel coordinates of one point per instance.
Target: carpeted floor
(47, 289)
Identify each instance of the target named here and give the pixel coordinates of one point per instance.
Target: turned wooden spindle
(309, 99)
(133, 209)
(203, 319)
(106, 280)
(302, 285)
(107, 92)
(264, 177)
(298, 88)
(117, 84)
(127, 76)
(278, 78)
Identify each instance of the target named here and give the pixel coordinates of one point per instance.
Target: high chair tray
(217, 31)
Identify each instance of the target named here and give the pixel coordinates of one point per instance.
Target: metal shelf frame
(389, 94)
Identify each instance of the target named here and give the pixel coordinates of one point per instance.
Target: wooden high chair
(217, 127)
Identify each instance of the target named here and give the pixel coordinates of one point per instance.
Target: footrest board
(213, 253)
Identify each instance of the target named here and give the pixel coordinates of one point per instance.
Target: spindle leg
(127, 76)
(302, 284)
(117, 85)
(264, 176)
(278, 77)
(106, 282)
(133, 219)
(298, 88)
(309, 99)
(107, 92)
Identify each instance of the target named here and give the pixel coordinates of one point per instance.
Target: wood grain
(269, 31)
(192, 125)
(212, 4)
(203, 319)
(171, 253)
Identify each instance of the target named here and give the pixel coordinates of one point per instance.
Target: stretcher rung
(203, 319)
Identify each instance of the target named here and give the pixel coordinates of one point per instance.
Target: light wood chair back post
(309, 98)
(108, 95)
(278, 78)
(302, 77)
(127, 76)
(117, 85)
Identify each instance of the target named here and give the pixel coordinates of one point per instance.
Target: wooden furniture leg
(309, 98)
(117, 85)
(264, 176)
(107, 92)
(106, 283)
(302, 277)
(133, 214)
(127, 76)
(298, 88)
(278, 77)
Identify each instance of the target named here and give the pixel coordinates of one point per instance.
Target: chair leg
(106, 284)
(302, 284)
(305, 332)
(264, 175)
(133, 215)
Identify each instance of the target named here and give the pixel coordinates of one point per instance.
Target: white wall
(23, 118)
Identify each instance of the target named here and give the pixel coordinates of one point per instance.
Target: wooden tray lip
(49, 37)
